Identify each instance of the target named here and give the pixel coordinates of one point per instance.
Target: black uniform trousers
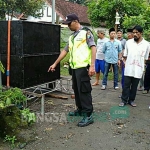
(147, 78)
(130, 89)
(82, 90)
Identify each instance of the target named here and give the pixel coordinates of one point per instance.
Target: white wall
(46, 17)
(9, 17)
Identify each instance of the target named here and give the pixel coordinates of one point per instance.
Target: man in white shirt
(99, 62)
(136, 52)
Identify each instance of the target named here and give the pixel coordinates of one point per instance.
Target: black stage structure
(33, 48)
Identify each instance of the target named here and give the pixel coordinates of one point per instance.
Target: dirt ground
(114, 128)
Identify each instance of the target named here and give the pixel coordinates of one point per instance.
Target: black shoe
(75, 113)
(86, 121)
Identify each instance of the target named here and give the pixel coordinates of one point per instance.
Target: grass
(64, 72)
(65, 33)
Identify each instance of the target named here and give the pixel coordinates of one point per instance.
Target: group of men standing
(82, 49)
(130, 55)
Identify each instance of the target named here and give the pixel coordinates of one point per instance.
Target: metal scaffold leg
(42, 105)
(62, 85)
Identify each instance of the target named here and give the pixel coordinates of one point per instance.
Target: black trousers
(82, 90)
(130, 89)
(147, 78)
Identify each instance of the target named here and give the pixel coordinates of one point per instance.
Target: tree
(130, 22)
(142, 19)
(105, 10)
(28, 7)
(148, 1)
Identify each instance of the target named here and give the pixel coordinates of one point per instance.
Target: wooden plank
(56, 96)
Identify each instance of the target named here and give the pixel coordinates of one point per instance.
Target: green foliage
(142, 20)
(11, 96)
(64, 71)
(147, 34)
(62, 44)
(147, 18)
(2, 69)
(11, 140)
(147, 13)
(29, 7)
(95, 35)
(13, 121)
(105, 11)
(130, 22)
(66, 59)
(131, 12)
(28, 116)
(65, 33)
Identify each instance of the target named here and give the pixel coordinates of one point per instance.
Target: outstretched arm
(61, 56)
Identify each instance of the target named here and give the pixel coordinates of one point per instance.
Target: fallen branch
(56, 96)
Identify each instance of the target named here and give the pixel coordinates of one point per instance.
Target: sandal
(95, 84)
(140, 89)
(145, 92)
(122, 104)
(132, 104)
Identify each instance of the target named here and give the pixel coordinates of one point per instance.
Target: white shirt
(136, 54)
(100, 43)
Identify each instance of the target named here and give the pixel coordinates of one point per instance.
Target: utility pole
(53, 11)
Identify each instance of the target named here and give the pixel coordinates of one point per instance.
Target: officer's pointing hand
(52, 68)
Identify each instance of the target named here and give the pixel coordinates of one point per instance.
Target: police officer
(82, 50)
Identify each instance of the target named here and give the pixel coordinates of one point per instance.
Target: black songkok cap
(111, 29)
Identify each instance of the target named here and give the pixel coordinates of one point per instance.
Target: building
(62, 8)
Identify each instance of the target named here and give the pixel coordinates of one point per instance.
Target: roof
(63, 8)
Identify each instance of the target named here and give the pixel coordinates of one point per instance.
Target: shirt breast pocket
(108, 47)
(116, 47)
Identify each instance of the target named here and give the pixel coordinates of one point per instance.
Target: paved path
(114, 128)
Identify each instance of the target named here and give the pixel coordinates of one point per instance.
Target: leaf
(2, 105)
(8, 101)
(2, 69)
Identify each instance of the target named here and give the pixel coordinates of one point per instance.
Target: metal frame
(63, 84)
